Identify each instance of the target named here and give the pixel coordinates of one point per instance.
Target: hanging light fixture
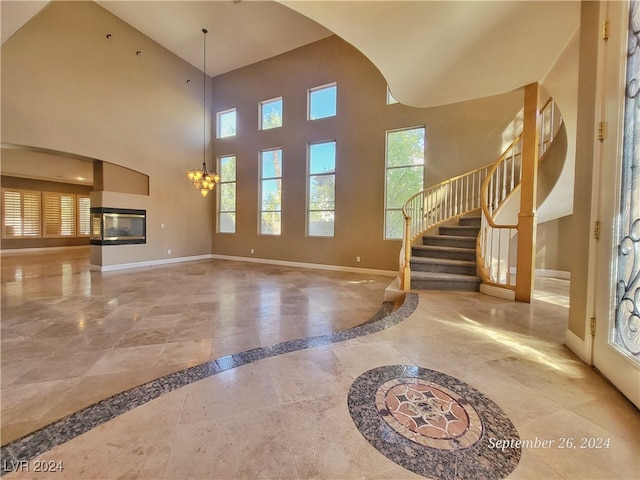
(202, 179)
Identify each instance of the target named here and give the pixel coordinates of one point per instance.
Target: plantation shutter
(21, 213)
(84, 216)
(59, 215)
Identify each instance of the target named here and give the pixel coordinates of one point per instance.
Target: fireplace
(118, 226)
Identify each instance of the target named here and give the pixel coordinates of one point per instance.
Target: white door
(616, 347)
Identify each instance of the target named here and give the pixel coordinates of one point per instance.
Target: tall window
(271, 114)
(21, 213)
(405, 175)
(322, 101)
(270, 192)
(227, 195)
(84, 216)
(59, 214)
(321, 203)
(226, 123)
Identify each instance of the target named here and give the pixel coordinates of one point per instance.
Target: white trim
(493, 291)
(543, 272)
(393, 292)
(149, 263)
(21, 251)
(317, 266)
(582, 348)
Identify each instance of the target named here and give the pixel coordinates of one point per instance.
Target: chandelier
(202, 179)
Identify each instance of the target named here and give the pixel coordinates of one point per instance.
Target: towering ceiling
(430, 52)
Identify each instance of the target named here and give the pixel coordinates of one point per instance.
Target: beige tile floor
(285, 417)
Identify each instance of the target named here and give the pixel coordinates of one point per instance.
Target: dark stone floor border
(486, 459)
(77, 423)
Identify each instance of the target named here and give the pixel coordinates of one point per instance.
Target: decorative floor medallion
(428, 414)
(432, 424)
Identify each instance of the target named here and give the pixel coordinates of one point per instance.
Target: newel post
(527, 221)
(406, 261)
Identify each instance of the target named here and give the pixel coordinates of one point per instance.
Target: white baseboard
(493, 291)
(148, 263)
(318, 266)
(151, 263)
(393, 292)
(582, 348)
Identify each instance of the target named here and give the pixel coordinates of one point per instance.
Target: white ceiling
(418, 46)
(240, 33)
(440, 52)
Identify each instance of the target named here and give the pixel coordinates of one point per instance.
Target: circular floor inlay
(428, 413)
(432, 424)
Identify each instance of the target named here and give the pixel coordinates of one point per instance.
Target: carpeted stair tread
(470, 221)
(454, 264)
(444, 281)
(450, 237)
(446, 261)
(460, 231)
(436, 248)
(443, 261)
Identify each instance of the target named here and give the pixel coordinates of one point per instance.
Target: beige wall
(66, 87)
(459, 137)
(114, 178)
(554, 245)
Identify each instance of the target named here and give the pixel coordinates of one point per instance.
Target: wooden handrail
(458, 195)
(490, 229)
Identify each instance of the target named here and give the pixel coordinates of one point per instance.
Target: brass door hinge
(605, 30)
(592, 325)
(602, 130)
(596, 229)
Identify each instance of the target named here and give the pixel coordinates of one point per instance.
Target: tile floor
(71, 337)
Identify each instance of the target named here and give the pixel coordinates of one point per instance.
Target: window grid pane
(226, 124)
(404, 176)
(227, 195)
(322, 102)
(270, 192)
(271, 114)
(321, 190)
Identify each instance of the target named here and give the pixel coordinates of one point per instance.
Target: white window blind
(59, 214)
(84, 216)
(21, 213)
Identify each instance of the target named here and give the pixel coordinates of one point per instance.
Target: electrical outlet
(358, 259)
(253, 251)
(169, 252)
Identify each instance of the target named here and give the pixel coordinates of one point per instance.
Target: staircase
(447, 261)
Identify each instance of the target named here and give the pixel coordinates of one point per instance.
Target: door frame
(620, 369)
